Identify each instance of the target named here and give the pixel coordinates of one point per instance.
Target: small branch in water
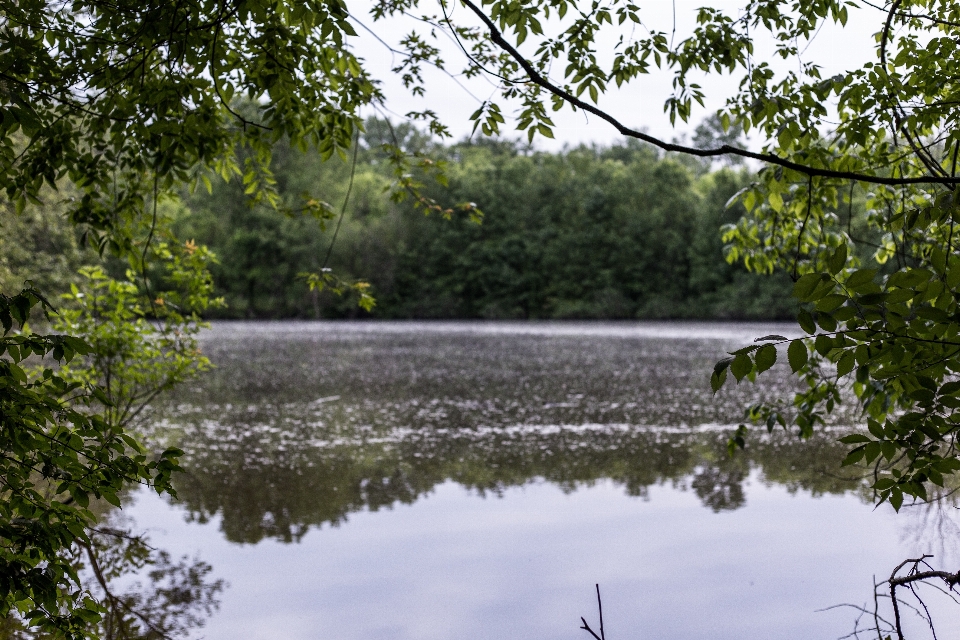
(586, 626)
(884, 628)
(915, 575)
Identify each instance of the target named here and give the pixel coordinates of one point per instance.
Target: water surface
(474, 480)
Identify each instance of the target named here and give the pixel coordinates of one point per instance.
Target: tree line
(588, 232)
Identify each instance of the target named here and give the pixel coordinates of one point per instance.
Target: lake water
(432, 481)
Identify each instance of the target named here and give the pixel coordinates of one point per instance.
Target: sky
(639, 105)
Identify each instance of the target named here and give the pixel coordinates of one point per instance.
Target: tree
(58, 457)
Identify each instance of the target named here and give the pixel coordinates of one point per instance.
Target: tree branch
(586, 625)
(726, 149)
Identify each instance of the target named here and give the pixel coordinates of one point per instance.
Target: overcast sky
(639, 105)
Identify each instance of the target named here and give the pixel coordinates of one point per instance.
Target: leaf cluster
(58, 456)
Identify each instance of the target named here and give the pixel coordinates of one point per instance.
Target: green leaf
(846, 363)
(776, 201)
(830, 302)
(884, 483)
(806, 322)
(797, 355)
(766, 357)
(826, 321)
(17, 373)
(717, 380)
(953, 276)
(860, 278)
(837, 260)
(855, 456)
(854, 438)
(950, 388)
(806, 285)
(823, 344)
(747, 349)
(898, 296)
(112, 499)
(741, 366)
(722, 365)
(896, 498)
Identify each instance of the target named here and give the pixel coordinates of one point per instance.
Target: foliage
(40, 245)
(106, 93)
(139, 347)
(614, 232)
(66, 422)
(59, 456)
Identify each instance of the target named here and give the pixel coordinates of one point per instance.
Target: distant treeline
(590, 232)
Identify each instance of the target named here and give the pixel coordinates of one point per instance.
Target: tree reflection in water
(271, 482)
(302, 424)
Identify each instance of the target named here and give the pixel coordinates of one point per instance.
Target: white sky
(639, 105)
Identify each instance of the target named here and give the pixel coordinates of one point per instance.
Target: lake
(434, 481)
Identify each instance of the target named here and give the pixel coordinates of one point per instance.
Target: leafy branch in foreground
(142, 343)
(891, 341)
(58, 456)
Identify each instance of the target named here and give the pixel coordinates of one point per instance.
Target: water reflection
(271, 482)
(301, 429)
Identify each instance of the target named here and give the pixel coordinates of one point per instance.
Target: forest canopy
(614, 233)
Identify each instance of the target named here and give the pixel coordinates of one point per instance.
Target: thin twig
(586, 625)
(346, 199)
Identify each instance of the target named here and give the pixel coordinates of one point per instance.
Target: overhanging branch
(723, 150)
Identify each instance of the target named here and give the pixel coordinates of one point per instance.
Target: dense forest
(590, 232)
